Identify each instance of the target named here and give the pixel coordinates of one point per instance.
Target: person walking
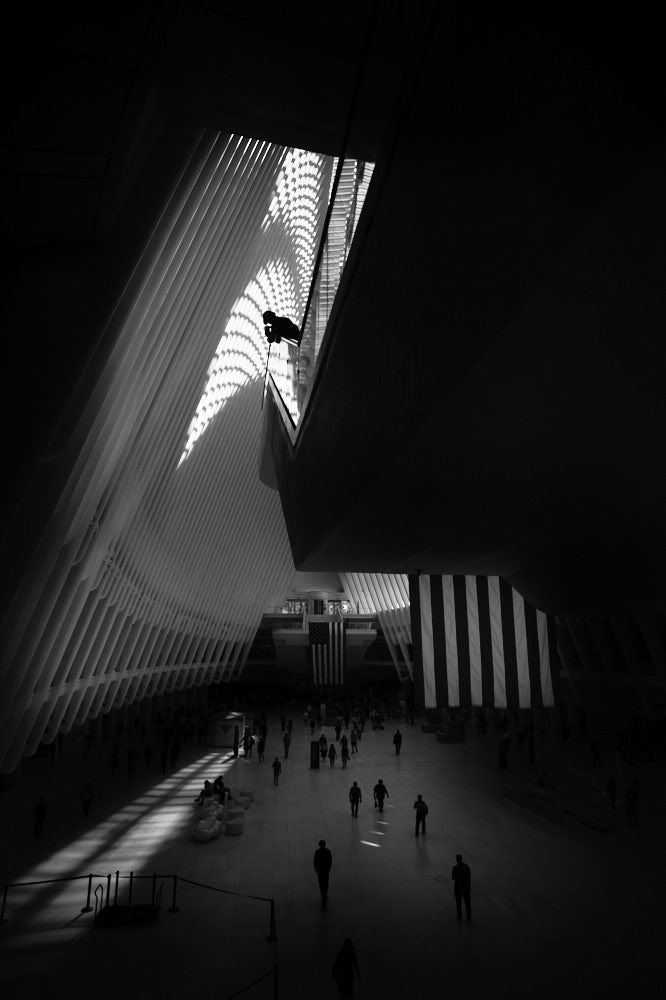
(277, 770)
(86, 798)
(355, 797)
(344, 754)
(397, 742)
(462, 887)
(380, 792)
(39, 815)
(332, 754)
(286, 740)
(323, 862)
(323, 746)
(344, 967)
(261, 749)
(353, 739)
(421, 813)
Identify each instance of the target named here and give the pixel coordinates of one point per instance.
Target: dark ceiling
(491, 395)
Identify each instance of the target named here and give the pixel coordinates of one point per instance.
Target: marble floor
(557, 905)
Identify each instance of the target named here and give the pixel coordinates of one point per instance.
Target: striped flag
(476, 641)
(327, 642)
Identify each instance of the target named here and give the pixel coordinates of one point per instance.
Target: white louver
(165, 548)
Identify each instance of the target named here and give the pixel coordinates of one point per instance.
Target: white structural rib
(387, 596)
(165, 548)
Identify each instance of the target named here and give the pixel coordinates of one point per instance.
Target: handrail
(272, 935)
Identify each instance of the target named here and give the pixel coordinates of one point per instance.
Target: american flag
(327, 642)
(476, 641)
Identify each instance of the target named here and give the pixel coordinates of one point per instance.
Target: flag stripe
(477, 642)
(417, 647)
(462, 634)
(533, 656)
(475, 688)
(485, 643)
(509, 637)
(440, 643)
(497, 642)
(427, 650)
(522, 666)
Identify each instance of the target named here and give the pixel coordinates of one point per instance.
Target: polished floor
(559, 907)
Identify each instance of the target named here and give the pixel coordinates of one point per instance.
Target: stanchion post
(4, 903)
(87, 908)
(174, 908)
(115, 895)
(108, 889)
(272, 935)
(129, 901)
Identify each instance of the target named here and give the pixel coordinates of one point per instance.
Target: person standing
(344, 967)
(355, 797)
(462, 887)
(421, 813)
(277, 770)
(397, 742)
(323, 862)
(380, 792)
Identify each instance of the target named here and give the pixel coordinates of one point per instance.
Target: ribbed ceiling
(165, 548)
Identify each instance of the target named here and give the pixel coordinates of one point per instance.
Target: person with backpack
(421, 813)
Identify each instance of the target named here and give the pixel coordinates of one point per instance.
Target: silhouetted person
(323, 746)
(462, 887)
(354, 741)
(344, 754)
(286, 739)
(39, 815)
(355, 797)
(397, 741)
(380, 792)
(344, 967)
(323, 862)
(278, 328)
(86, 798)
(277, 768)
(611, 789)
(421, 813)
(261, 749)
(332, 754)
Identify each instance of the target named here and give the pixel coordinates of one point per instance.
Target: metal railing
(103, 901)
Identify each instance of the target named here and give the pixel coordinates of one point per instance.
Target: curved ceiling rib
(165, 548)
